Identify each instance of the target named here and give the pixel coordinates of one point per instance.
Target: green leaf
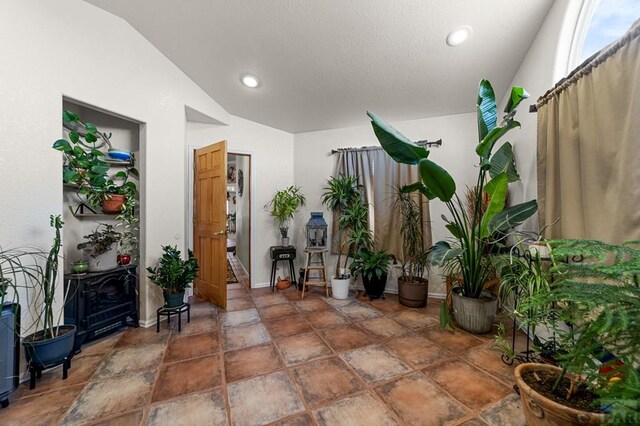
(97, 153)
(77, 151)
(442, 252)
(483, 149)
(513, 216)
(486, 109)
(90, 137)
(100, 169)
(418, 186)
(445, 317)
(91, 128)
(70, 175)
(74, 137)
(62, 145)
(503, 162)
(518, 94)
(121, 175)
(455, 230)
(437, 180)
(69, 116)
(398, 146)
(497, 190)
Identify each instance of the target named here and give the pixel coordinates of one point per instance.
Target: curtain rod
(419, 143)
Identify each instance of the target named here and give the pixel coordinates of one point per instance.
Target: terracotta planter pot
(113, 204)
(413, 293)
(542, 411)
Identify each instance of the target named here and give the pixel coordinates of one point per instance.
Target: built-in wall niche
(80, 220)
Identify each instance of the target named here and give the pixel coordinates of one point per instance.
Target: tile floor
(271, 358)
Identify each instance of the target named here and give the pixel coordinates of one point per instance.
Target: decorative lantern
(316, 232)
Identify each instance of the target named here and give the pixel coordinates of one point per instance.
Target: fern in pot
(283, 206)
(173, 275)
(467, 250)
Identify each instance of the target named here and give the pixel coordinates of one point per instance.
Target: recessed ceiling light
(250, 81)
(459, 35)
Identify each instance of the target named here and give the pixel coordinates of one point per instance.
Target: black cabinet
(98, 303)
(9, 350)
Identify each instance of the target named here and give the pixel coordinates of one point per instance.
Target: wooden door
(210, 222)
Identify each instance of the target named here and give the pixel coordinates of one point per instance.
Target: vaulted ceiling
(323, 63)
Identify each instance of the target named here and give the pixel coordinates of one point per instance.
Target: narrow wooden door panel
(210, 222)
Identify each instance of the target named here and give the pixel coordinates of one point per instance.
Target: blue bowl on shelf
(119, 154)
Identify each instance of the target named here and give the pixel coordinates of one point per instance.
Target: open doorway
(239, 213)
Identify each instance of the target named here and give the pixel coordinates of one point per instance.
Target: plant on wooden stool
(173, 274)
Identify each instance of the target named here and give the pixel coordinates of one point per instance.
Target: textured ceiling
(323, 63)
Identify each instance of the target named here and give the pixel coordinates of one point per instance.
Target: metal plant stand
(167, 312)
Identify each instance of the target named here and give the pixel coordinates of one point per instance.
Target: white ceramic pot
(540, 248)
(340, 288)
(105, 261)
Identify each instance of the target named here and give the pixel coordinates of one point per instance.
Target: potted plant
(173, 275)
(100, 247)
(52, 342)
(86, 169)
(342, 195)
(413, 287)
(473, 308)
(373, 266)
(284, 205)
(598, 372)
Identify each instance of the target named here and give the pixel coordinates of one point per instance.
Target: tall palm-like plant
(414, 254)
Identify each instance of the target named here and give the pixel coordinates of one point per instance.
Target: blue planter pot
(49, 352)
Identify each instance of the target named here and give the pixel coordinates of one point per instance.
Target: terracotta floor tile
(131, 358)
(239, 318)
(507, 411)
(236, 293)
(105, 344)
(234, 286)
(415, 319)
(339, 302)
(199, 409)
(201, 324)
(302, 348)
(269, 299)
(303, 420)
(263, 399)
(488, 358)
(346, 337)
(361, 409)
(383, 328)
(186, 377)
(473, 421)
(288, 326)
(457, 342)
(375, 363)
(467, 384)
(418, 351)
(191, 347)
(105, 398)
(433, 308)
(127, 419)
(292, 295)
(240, 304)
(326, 380)
(389, 304)
(357, 311)
(143, 336)
(249, 362)
(241, 337)
(39, 410)
(310, 305)
(325, 318)
(418, 401)
(281, 310)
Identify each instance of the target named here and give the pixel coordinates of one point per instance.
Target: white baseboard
(149, 323)
(261, 285)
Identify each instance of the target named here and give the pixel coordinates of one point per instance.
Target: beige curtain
(379, 174)
(589, 147)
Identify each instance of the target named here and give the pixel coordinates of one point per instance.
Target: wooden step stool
(319, 265)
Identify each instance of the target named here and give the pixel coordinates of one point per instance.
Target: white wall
(313, 164)
(70, 48)
(242, 211)
(546, 62)
(271, 153)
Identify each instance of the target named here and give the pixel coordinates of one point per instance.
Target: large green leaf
(398, 146)
(62, 145)
(442, 252)
(437, 180)
(497, 190)
(513, 216)
(483, 149)
(486, 109)
(503, 162)
(518, 94)
(418, 186)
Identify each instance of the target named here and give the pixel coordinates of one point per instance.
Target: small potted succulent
(173, 275)
(373, 266)
(100, 247)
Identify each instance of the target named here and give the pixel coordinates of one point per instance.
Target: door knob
(221, 233)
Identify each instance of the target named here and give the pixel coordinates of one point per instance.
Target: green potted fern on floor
(173, 275)
(473, 308)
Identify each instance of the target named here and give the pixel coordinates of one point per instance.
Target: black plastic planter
(374, 287)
